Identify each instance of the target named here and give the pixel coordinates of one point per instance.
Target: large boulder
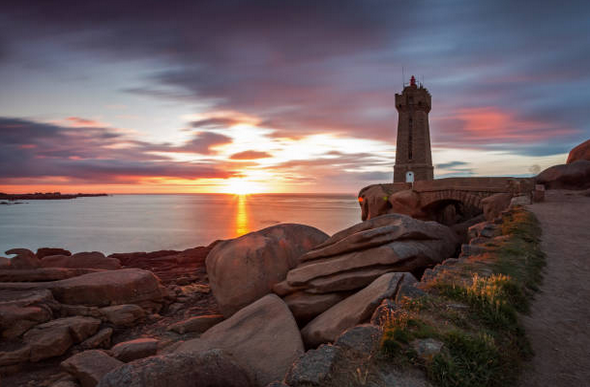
(24, 259)
(354, 310)
(580, 152)
(55, 337)
(106, 288)
(378, 231)
(91, 260)
(90, 366)
(575, 175)
(354, 257)
(244, 269)
(205, 369)
(262, 337)
(495, 204)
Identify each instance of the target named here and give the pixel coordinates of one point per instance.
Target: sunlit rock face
(244, 269)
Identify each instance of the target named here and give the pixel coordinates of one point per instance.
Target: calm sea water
(126, 223)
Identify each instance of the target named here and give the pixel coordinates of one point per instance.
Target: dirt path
(559, 325)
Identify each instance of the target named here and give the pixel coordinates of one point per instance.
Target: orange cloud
(86, 123)
(485, 124)
(250, 155)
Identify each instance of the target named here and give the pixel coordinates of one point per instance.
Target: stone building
(413, 158)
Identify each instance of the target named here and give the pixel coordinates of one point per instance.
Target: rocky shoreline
(62, 312)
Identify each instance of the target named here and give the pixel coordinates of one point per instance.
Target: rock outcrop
(21, 310)
(47, 251)
(55, 337)
(406, 202)
(24, 259)
(354, 310)
(374, 201)
(42, 274)
(244, 269)
(113, 287)
(170, 266)
(580, 152)
(90, 260)
(353, 258)
(263, 338)
(575, 175)
(206, 369)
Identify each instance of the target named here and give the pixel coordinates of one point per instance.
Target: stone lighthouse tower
(413, 158)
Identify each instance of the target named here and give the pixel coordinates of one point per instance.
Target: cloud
(495, 70)
(84, 122)
(250, 155)
(202, 143)
(451, 164)
(216, 122)
(95, 154)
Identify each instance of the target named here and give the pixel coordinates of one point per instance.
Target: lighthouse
(413, 157)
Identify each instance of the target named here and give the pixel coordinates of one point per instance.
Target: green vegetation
(472, 307)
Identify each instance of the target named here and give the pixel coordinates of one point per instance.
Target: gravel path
(559, 325)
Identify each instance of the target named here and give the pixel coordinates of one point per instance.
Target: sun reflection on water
(242, 221)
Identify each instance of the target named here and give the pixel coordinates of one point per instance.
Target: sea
(128, 223)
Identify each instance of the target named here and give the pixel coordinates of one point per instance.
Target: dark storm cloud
(335, 65)
(32, 149)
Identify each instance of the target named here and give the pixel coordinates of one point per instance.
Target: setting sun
(242, 187)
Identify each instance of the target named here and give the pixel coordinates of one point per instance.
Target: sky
(282, 96)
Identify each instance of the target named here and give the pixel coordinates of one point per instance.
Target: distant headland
(46, 196)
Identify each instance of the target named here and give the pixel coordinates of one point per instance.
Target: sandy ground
(559, 324)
